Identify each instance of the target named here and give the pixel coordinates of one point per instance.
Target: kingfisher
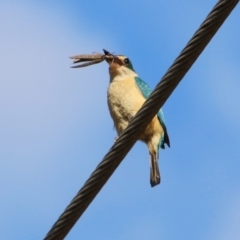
(125, 96)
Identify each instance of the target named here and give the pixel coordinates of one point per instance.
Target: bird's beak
(108, 56)
(111, 59)
(106, 52)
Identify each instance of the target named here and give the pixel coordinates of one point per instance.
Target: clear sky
(55, 126)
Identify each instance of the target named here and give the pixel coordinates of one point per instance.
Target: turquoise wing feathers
(146, 91)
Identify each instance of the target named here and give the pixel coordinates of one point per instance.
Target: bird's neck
(120, 73)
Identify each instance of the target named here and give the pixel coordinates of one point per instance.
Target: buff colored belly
(124, 100)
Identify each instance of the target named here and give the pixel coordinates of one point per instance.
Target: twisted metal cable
(156, 100)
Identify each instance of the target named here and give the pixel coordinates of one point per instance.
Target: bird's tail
(155, 178)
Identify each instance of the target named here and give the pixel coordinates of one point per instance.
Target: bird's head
(118, 64)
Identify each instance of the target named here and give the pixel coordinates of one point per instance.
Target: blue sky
(55, 126)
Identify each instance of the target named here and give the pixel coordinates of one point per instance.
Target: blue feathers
(146, 91)
(144, 88)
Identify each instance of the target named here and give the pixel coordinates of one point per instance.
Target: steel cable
(156, 100)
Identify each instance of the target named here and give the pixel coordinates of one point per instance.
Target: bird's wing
(146, 91)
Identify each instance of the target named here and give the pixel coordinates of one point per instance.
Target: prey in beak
(90, 59)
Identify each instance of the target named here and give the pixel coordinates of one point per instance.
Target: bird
(125, 96)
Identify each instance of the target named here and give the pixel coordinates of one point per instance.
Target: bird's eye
(126, 61)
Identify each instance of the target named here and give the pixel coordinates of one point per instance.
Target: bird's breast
(124, 100)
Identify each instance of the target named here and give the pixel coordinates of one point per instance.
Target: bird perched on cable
(126, 94)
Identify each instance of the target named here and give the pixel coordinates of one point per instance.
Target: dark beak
(106, 52)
